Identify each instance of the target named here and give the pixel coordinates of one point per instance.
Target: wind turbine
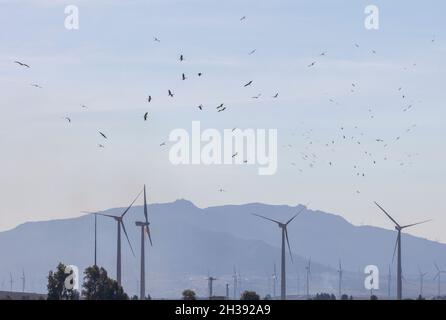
(283, 227)
(234, 277)
(144, 229)
(120, 224)
(422, 275)
(308, 270)
(10, 281)
(438, 276)
(23, 280)
(341, 272)
(399, 228)
(210, 285)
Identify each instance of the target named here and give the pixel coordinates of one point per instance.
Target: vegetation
(189, 294)
(324, 296)
(249, 295)
(98, 286)
(57, 289)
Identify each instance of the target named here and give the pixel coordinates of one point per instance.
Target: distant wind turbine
(120, 224)
(23, 280)
(10, 281)
(144, 229)
(283, 227)
(398, 228)
(234, 278)
(95, 234)
(308, 271)
(438, 276)
(341, 272)
(210, 285)
(422, 275)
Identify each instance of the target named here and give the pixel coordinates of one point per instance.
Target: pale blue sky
(50, 169)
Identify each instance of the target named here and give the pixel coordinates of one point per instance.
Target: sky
(52, 169)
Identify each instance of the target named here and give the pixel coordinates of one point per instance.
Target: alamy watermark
(230, 147)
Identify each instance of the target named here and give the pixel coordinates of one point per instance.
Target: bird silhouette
(200, 107)
(22, 64)
(170, 93)
(149, 99)
(35, 85)
(181, 57)
(103, 135)
(183, 77)
(146, 115)
(248, 84)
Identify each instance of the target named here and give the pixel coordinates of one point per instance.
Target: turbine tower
(23, 280)
(389, 283)
(275, 281)
(234, 277)
(95, 234)
(308, 270)
(283, 227)
(438, 276)
(210, 285)
(341, 272)
(120, 224)
(10, 281)
(144, 229)
(399, 228)
(422, 275)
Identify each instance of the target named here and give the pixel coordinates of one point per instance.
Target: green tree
(189, 295)
(324, 296)
(98, 286)
(344, 297)
(249, 295)
(57, 290)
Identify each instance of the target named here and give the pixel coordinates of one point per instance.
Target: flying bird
(181, 57)
(200, 74)
(200, 107)
(312, 64)
(68, 119)
(101, 146)
(149, 99)
(222, 109)
(156, 39)
(84, 106)
(22, 64)
(243, 18)
(183, 77)
(248, 84)
(36, 85)
(323, 53)
(257, 96)
(162, 144)
(103, 135)
(235, 155)
(146, 115)
(276, 95)
(170, 93)
(220, 106)
(252, 52)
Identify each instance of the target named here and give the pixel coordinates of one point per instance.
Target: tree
(373, 297)
(57, 289)
(344, 297)
(250, 295)
(98, 286)
(324, 296)
(268, 297)
(189, 294)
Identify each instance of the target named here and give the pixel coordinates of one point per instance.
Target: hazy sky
(52, 169)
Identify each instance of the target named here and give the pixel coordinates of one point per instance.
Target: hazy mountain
(190, 242)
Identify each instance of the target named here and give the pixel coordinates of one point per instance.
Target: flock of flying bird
(308, 154)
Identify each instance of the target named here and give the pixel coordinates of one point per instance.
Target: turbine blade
(415, 224)
(126, 235)
(388, 215)
(288, 241)
(126, 210)
(258, 215)
(145, 205)
(436, 276)
(394, 250)
(107, 215)
(300, 211)
(148, 234)
(436, 267)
